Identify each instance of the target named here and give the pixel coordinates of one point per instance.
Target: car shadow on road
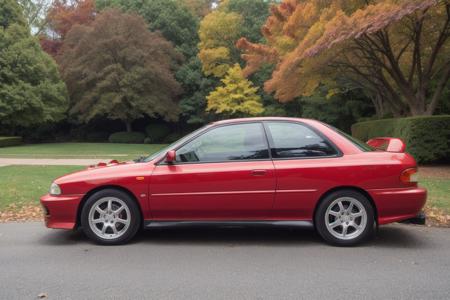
(391, 236)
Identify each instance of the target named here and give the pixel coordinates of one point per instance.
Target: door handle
(259, 172)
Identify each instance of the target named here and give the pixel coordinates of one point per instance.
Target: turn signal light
(409, 176)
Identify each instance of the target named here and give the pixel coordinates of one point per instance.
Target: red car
(263, 170)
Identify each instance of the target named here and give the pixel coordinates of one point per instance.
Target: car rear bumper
(419, 219)
(398, 204)
(61, 211)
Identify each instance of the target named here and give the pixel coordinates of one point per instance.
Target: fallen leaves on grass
(21, 213)
(437, 217)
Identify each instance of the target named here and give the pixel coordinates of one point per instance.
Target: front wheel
(345, 218)
(110, 217)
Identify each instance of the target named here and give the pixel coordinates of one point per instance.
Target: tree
(118, 69)
(199, 8)
(31, 91)
(178, 25)
(218, 33)
(61, 17)
(196, 87)
(237, 96)
(254, 14)
(397, 51)
(220, 30)
(175, 22)
(35, 12)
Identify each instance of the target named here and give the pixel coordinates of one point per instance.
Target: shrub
(9, 141)
(97, 136)
(147, 140)
(157, 132)
(172, 137)
(427, 138)
(127, 137)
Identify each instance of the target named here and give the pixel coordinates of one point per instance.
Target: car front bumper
(61, 211)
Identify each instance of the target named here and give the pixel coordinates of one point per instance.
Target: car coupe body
(246, 170)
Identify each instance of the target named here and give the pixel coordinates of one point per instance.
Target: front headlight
(55, 190)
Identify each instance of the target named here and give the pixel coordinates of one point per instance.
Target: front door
(223, 174)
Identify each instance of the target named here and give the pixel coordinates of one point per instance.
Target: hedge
(174, 136)
(127, 137)
(8, 141)
(97, 136)
(157, 132)
(427, 138)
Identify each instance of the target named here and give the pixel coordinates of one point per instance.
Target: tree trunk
(377, 101)
(128, 125)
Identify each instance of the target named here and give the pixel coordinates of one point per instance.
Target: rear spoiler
(388, 144)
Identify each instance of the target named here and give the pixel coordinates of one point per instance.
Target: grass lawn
(80, 150)
(23, 185)
(438, 193)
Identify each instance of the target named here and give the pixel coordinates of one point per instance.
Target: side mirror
(170, 156)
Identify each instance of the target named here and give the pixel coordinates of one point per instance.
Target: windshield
(173, 145)
(361, 145)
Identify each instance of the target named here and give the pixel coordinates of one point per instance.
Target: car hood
(105, 171)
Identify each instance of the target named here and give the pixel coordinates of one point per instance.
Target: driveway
(403, 262)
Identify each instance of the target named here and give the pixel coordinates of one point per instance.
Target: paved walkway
(52, 161)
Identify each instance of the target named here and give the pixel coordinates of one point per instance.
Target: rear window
(361, 145)
(292, 140)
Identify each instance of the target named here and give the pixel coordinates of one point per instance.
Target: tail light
(409, 176)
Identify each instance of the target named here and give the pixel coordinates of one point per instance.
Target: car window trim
(162, 162)
(339, 153)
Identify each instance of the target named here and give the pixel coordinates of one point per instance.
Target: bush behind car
(427, 137)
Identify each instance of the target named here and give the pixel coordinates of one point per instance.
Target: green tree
(254, 14)
(31, 91)
(179, 25)
(236, 97)
(119, 69)
(175, 22)
(35, 12)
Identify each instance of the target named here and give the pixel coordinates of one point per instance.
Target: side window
(296, 140)
(226, 143)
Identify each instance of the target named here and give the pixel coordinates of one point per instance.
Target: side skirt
(160, 224)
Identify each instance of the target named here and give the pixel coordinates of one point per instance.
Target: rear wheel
(345, 218)
(110, 217)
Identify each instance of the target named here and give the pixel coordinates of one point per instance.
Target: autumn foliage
(397, 51)
(236, 97)
(61, 18)
(118, 69)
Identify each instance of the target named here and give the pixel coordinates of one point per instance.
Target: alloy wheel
(346, 218)
(109, 218)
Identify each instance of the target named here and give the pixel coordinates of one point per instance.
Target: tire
(108, 209)
(339, 226)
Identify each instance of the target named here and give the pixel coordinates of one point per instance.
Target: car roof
(241, 120)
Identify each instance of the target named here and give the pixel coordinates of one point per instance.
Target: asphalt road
(403, 262)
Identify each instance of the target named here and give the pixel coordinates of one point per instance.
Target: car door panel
(224, 174)
(300, 155)
(231, 191)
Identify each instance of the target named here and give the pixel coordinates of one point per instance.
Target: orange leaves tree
(398, 52)
(62, 16)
